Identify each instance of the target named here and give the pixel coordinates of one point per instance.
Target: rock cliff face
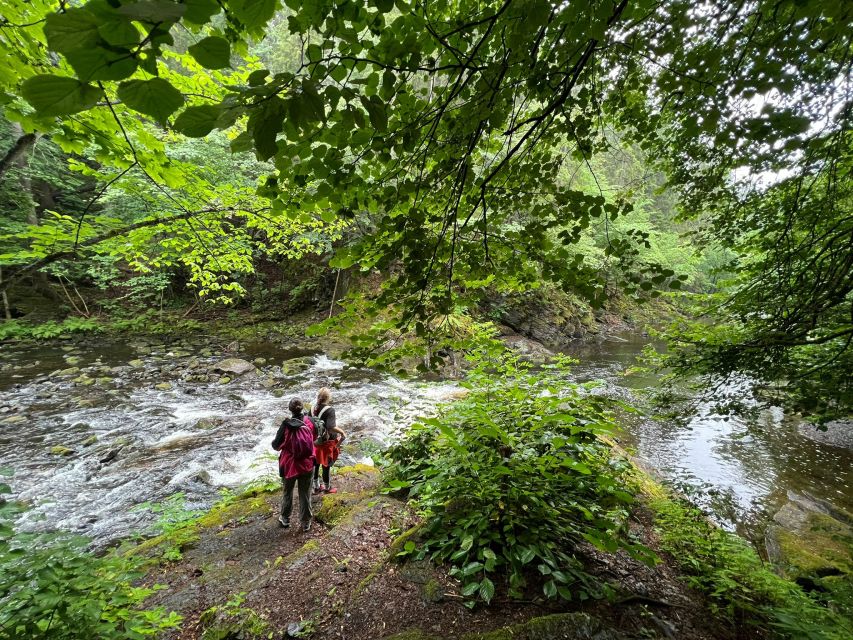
(549, 316)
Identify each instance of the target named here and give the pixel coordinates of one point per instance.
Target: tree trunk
(22, 161)
(20, 149)
(7, 312)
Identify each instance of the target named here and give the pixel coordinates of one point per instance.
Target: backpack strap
(322, 411)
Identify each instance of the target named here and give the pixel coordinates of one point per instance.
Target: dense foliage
(51, 586)
(512, 478)
(743, 590)
(449, 137)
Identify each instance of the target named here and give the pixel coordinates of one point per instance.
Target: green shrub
(52, 587)
(511, 478)
(741, 588)
(22, 330)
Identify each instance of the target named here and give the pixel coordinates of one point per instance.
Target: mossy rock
(400, 541)
(163, 386)
(88, 442)
(560, 626)
(337, 506)
(295, 366)
(59, 450)
(432, 591)
(136, 364)
(414, 634)
(357, 468)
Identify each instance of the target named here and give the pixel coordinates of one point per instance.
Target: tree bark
(20, 149)
(7, 312)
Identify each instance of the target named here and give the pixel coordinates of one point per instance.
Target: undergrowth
(742, 589)
(513, 477)
(53, 587)
(24, 330)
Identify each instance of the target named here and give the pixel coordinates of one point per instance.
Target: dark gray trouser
(303, 484)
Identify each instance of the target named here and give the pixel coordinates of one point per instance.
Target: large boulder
(234, 366)
(811, 541)
(528, 349)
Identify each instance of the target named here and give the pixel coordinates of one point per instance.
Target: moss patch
(357, 468)
(565, 626)
(414, 634)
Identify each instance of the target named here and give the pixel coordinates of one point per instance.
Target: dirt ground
(340, 580)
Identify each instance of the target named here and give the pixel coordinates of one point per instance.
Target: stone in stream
(163, 386)
(224, 380)
(88, 442)
(14, 420)
(59, 450)
(234, 366)
(296, 365)
(70, 371)
(110, 455)
(259, 361)
(136, 364)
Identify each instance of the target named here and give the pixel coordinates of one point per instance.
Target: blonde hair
(324, 395)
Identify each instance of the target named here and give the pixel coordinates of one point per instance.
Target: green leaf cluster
(514, 479)
(51, 586)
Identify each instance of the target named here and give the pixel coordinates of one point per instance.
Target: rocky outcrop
(550, 316)
(811, 542)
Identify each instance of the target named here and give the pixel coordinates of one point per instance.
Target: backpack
(302, 438)
(320, 426)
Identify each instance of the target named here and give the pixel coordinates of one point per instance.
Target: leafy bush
(173, 524)
(742, 589)
(52, 587)
(511, 478)
(18, 329)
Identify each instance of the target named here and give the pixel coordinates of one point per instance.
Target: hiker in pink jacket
(295, 443)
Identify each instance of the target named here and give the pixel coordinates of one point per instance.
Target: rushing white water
(194, 438)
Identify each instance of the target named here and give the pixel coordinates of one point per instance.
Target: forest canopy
(461, 146)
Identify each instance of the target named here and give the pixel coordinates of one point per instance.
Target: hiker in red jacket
(295, 443)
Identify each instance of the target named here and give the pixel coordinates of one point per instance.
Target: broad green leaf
(156, 97)
(470, 589)
(526, 555)
(258, 77)
(487, 590)
(58, 96)
(376, 112)
(198, 121)
(153, 11)
(384, 5)
(201, 11)
(97, 63)
(253, 13)
(72, 30)
(550, 589)
(213, 52)
(119, 33)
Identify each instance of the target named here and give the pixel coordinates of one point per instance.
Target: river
(144, 419)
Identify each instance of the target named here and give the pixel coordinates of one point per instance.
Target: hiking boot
(306, 527)
(284, 524)
(320, 488)
(331, 490)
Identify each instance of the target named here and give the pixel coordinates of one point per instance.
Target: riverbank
(241, 576)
